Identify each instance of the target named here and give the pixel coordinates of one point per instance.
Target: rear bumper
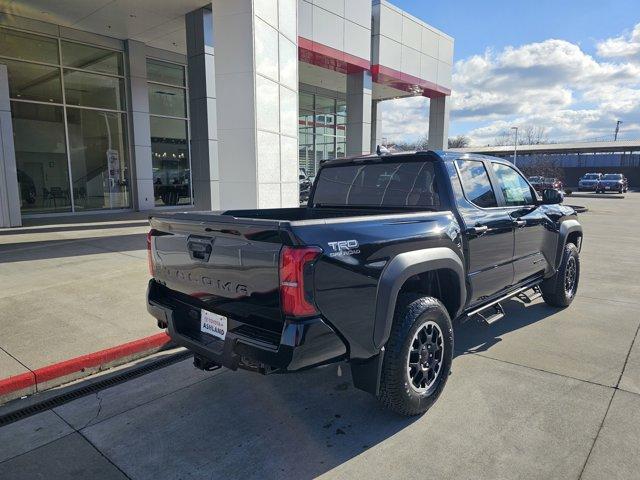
(302, 344)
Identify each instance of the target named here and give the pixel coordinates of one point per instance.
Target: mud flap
(366, 373)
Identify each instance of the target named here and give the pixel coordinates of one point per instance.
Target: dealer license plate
(213, 324)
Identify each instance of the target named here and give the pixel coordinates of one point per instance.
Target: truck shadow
(474, 337)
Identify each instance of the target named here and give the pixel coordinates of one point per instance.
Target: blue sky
(570, 66)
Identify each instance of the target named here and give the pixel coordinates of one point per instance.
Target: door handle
(520, 223)
(477, 230)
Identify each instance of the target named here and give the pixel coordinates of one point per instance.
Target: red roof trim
(330, 58)
(409, 83)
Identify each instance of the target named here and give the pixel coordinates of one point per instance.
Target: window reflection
(41, 160)
(170, 155)
(29, 81)
(98, 159)
(91, 58)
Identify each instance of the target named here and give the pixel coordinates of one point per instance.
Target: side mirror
(551, 196)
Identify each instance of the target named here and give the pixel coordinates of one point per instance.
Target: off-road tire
(554, 289)
(411, 314)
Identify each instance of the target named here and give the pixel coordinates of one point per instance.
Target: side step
(498, 313)
(530, 297)
(498, 310)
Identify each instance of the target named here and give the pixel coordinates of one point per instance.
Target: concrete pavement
(544, 393)
(71, 289)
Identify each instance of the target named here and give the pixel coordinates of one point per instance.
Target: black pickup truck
(389, 251)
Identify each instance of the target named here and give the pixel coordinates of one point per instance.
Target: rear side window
(389, 184)
(475, 183)
(515, 189)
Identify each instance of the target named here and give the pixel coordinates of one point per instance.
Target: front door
(488, 231)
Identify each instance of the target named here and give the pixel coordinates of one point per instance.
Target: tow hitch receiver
(205, 364)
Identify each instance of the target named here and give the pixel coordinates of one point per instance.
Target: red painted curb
(17, 382)
(78, 364)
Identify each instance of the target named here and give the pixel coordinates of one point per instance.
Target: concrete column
(439, 123)
(9, 191)
(376, 125)
(257, 91)
(202, 110)
(359, 90)
(140, 128)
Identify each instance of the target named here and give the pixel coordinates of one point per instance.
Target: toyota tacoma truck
(389, 251)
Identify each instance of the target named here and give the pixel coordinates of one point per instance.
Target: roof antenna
(380, 150)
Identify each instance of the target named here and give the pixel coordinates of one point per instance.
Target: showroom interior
(108, 105)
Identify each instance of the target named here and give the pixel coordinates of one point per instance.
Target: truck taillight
(152, 233)
(293, 295)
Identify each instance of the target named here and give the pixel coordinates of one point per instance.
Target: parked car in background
(305, 186)
(612, 182)
(589, 182)
(537, 182)
(554, 183)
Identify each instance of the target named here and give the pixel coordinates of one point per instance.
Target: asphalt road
(544, 393)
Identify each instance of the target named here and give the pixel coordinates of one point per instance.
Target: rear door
(519, 200)
(488, 231)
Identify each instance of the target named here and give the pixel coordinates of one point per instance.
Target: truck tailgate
(228, 266)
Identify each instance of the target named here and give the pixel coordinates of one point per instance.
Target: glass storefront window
(170, 155)
(41, 157)
(86, 57)
(77, 161)
(97, 143)
(163, 72)
(322, 128)
(24, 46)
(30, 81)
(165, 100)
(93, 90)
(169, 133)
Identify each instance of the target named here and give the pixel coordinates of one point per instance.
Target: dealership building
(111, 105)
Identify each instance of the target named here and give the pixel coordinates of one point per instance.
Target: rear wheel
(560, 289)
(417, 356)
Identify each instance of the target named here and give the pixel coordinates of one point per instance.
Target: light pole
(515, 147)
(615, 135)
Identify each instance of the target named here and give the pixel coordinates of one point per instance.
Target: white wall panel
(328, 28)
(390, 23)
(445, 50)
(411, 33)
(428, 68)
(357, 40)
(305, 19)
(444, 74)
(410, 61)
(390, 53)
(358, 11)
(334, 6)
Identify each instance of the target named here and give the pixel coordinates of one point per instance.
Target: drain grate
(89, 389)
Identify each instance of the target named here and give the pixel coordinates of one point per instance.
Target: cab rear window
(390, 184)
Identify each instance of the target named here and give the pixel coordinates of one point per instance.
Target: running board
(498, 312)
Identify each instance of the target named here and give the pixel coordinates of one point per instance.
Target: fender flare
(399, 270)
(567, 227)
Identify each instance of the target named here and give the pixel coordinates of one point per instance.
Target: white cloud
(553, 84)
(625, 46)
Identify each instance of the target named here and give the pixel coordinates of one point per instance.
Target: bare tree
(420, 144)
(504, 138)
(461, 141)
(527, 135)
(533, 135)
(540, 165)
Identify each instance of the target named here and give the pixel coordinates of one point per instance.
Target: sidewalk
(72, 299)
